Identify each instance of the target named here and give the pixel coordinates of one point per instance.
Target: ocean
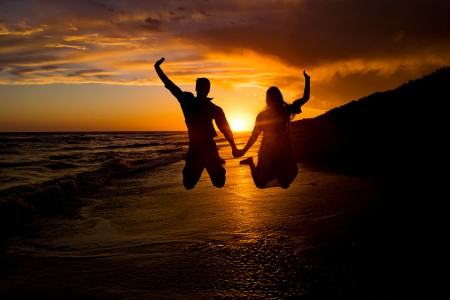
(63, 164)
(41, 158)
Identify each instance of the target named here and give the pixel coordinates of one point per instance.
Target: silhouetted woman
(275, 158)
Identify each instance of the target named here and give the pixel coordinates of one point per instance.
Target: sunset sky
(86, 65)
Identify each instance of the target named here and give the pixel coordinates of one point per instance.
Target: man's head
(202, 87)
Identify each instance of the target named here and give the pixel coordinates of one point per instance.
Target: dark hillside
(393, 131)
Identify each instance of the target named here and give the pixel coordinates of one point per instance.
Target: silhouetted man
(199, 112)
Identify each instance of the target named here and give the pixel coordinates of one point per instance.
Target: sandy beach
(145, 237)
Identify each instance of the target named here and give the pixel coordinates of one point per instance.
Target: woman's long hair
(274, 100)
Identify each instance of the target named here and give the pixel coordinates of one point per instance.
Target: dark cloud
(334, 30)
(32, 58)
(95, 73)
(20, 71)
(152, 24)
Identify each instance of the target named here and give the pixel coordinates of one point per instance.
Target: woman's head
(274, 98)
(275, 101)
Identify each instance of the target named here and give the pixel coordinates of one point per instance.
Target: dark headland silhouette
(385, 133)
(397, 137)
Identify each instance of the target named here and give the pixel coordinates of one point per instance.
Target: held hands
(159, 62)
(238, 152)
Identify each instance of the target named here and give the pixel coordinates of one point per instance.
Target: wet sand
(144, 237)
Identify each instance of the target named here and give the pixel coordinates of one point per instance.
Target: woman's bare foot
(247, 161)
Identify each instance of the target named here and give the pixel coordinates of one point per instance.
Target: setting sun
(240, 121)
(238, 125)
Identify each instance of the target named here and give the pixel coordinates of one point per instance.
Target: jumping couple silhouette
(275, 158)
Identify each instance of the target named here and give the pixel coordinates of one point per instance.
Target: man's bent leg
(191, 174)
(217, 175)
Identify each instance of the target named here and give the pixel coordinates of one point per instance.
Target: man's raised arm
(160, 72)
(172, 87)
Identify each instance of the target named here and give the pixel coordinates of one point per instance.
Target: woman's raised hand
(306, 75)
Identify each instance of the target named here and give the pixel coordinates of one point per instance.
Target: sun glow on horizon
(237, 125)
(240, 123)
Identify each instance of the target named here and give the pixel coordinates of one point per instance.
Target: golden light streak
(59, 45)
